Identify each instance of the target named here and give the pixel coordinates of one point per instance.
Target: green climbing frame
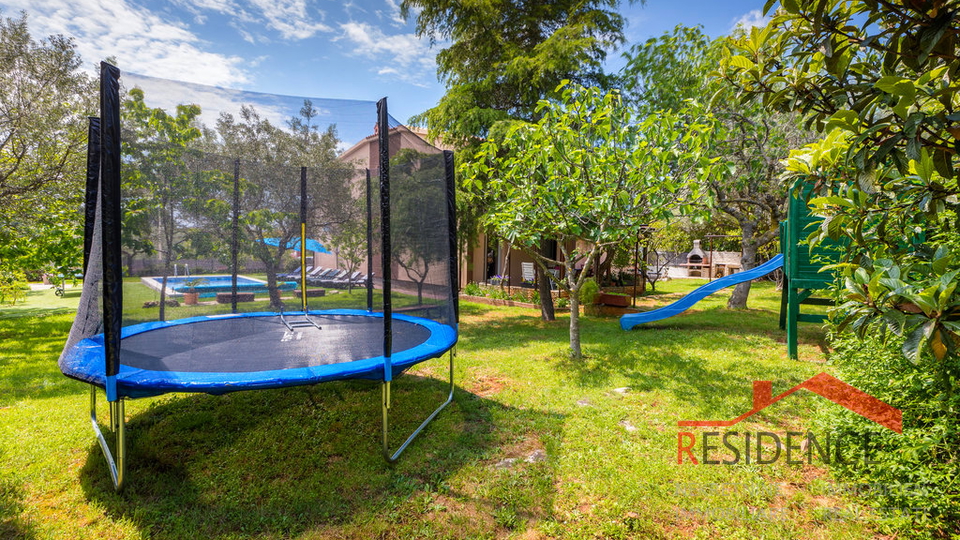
(802, 267)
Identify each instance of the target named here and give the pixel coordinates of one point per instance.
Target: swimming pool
(211, 285)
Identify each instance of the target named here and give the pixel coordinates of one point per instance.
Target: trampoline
(255, 351)
(237, 216)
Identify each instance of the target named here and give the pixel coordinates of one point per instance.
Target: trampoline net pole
(383, 132)
(303, 238)
(235, 237)
(111, 217)
(454, 260)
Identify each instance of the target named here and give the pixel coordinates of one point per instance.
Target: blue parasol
(294, 244)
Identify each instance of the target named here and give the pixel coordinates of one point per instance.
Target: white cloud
(353, 10)
(750, 19)
(139, 39)
(410, 59)
(393, 12)
(290, 18)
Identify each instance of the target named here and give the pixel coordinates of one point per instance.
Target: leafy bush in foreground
(913, 478)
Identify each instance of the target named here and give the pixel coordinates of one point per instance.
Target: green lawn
(305, 462)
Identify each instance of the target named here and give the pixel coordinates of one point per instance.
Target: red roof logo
(826, 386)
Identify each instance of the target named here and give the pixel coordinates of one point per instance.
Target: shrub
(473, 289)
(913, 476)
(13, 285)
(589, 292)
(498, 294)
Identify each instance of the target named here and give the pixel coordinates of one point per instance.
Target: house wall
(475, 263)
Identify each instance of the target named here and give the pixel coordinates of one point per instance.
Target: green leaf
(889, 83)
(741, 62)
(896, 321)
(844, 119)
(914, 344)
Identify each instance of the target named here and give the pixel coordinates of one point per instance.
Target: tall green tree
(675, 72)
(879, 79)
(44, 101)
(587, 170)
(503, 57)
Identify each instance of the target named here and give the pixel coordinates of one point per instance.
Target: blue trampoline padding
(85, 362)
(627, 322)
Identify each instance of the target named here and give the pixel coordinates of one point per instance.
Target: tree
(158, 181)
(349, 239)
(418, 241)
(674, 72)
(879, 80)
(587, 170)
(44, 101)
(270, 187)
(505, 56)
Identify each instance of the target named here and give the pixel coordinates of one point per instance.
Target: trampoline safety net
(251, 234)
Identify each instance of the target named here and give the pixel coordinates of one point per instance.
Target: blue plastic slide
(627, 322)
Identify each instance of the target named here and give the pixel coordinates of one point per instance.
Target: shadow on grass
(700, 361)
(289, 461)
(28, 359)
(12, 496)
(706, 359)
(12, 526)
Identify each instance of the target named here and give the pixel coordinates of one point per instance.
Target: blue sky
(358, 49)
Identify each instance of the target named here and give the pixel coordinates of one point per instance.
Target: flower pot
(191, 298)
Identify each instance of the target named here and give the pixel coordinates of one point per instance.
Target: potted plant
(191, 295)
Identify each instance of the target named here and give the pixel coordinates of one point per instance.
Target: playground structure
(803, 273)
(802, 270)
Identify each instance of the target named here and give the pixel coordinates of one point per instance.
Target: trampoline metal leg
(118, 426)
(385, 385)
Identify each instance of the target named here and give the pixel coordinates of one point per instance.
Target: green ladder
(802, 268)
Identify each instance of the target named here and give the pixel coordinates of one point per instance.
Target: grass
(534, 446)
(135, 295)
(42, 302)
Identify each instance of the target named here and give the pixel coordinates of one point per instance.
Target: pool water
(211, 285)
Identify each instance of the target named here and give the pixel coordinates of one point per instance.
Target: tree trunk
(271, 268)
(505, 271)
(604, 269)
(163, 297)
(547, 312)
(575, 352)
(738, 299)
